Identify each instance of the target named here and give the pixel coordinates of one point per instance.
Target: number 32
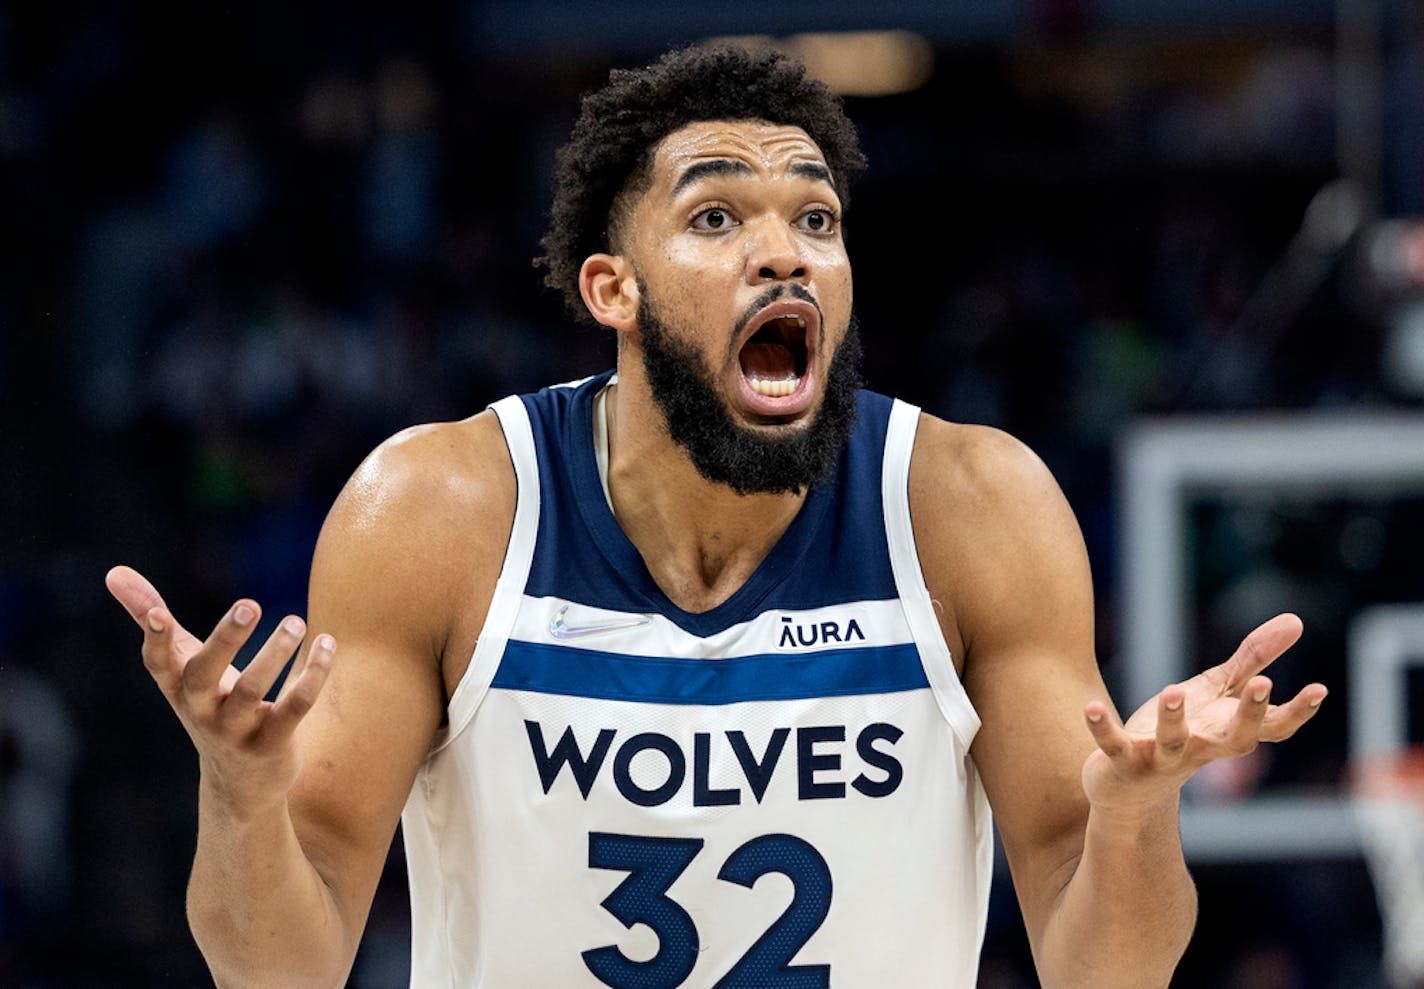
(653, 865)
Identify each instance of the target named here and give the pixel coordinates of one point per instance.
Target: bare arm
(1088, 810)
(298, 800)
(1135, 775)
(247, 846)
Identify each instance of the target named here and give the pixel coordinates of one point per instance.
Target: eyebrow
(730, 166)
(811, 170)
(711, 166)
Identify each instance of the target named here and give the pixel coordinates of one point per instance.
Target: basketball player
(707, 673)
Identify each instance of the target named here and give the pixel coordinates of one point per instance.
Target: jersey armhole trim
(513, 575)
(949, 692)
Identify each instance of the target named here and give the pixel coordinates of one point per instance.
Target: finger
(1260, 649)
(1172, 730)
(251, 687)
(1107, 729)
(205, 670)
(298, 698)
(132, 590)
(1244, 731)
(1282, 721)
(160, 658)
(228, 679)
(139, 597)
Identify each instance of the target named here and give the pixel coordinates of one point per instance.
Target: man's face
(745, 292)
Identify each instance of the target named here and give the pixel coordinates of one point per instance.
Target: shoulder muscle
(423, 520)
(994, 531)
(403, 571)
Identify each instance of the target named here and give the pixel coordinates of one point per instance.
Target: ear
(610, 290)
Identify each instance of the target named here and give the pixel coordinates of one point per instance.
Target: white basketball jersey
(774, 794)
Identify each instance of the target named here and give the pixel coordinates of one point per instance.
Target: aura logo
(795, 635)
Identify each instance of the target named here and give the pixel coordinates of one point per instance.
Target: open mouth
(775, 356)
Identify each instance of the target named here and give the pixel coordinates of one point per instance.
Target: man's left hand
(1222, 712)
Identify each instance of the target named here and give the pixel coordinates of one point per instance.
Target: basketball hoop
(1389, 804)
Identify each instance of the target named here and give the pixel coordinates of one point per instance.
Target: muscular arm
(294, 826)
(1087, 806)
(1105, 895)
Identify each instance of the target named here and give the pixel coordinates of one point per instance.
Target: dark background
(241, 245)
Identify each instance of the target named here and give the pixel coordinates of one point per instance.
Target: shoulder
(975, 474)
(421, 527)
(982, 456)
(421, 475)
(994, 532)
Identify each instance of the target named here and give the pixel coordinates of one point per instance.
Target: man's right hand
(246, 746)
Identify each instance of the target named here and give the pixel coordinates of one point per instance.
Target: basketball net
(1389, 805)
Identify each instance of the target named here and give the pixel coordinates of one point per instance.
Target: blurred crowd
(242, 248)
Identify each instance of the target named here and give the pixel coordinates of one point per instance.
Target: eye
(713, 219)
(817, 221)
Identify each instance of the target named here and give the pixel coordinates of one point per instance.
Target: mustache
(770, 296)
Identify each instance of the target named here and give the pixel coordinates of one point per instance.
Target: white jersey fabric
(775, 794)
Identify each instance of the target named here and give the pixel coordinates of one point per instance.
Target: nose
(774, 254)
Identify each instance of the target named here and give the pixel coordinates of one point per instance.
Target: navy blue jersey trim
(582, 554)
(575, 672)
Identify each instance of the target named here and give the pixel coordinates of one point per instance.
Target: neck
(699, 539)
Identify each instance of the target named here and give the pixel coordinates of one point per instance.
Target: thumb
(133, 590)
(139, 598)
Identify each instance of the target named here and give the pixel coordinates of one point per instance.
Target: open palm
(1222, 712)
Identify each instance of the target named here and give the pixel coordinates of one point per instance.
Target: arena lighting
(854, 63)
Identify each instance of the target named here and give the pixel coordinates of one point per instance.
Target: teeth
(774, 389)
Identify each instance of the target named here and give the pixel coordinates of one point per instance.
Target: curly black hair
(611, 148)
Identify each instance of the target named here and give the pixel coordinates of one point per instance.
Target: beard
(723, 450)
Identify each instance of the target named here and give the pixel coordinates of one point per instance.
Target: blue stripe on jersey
(549, 669)
(836, 541)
